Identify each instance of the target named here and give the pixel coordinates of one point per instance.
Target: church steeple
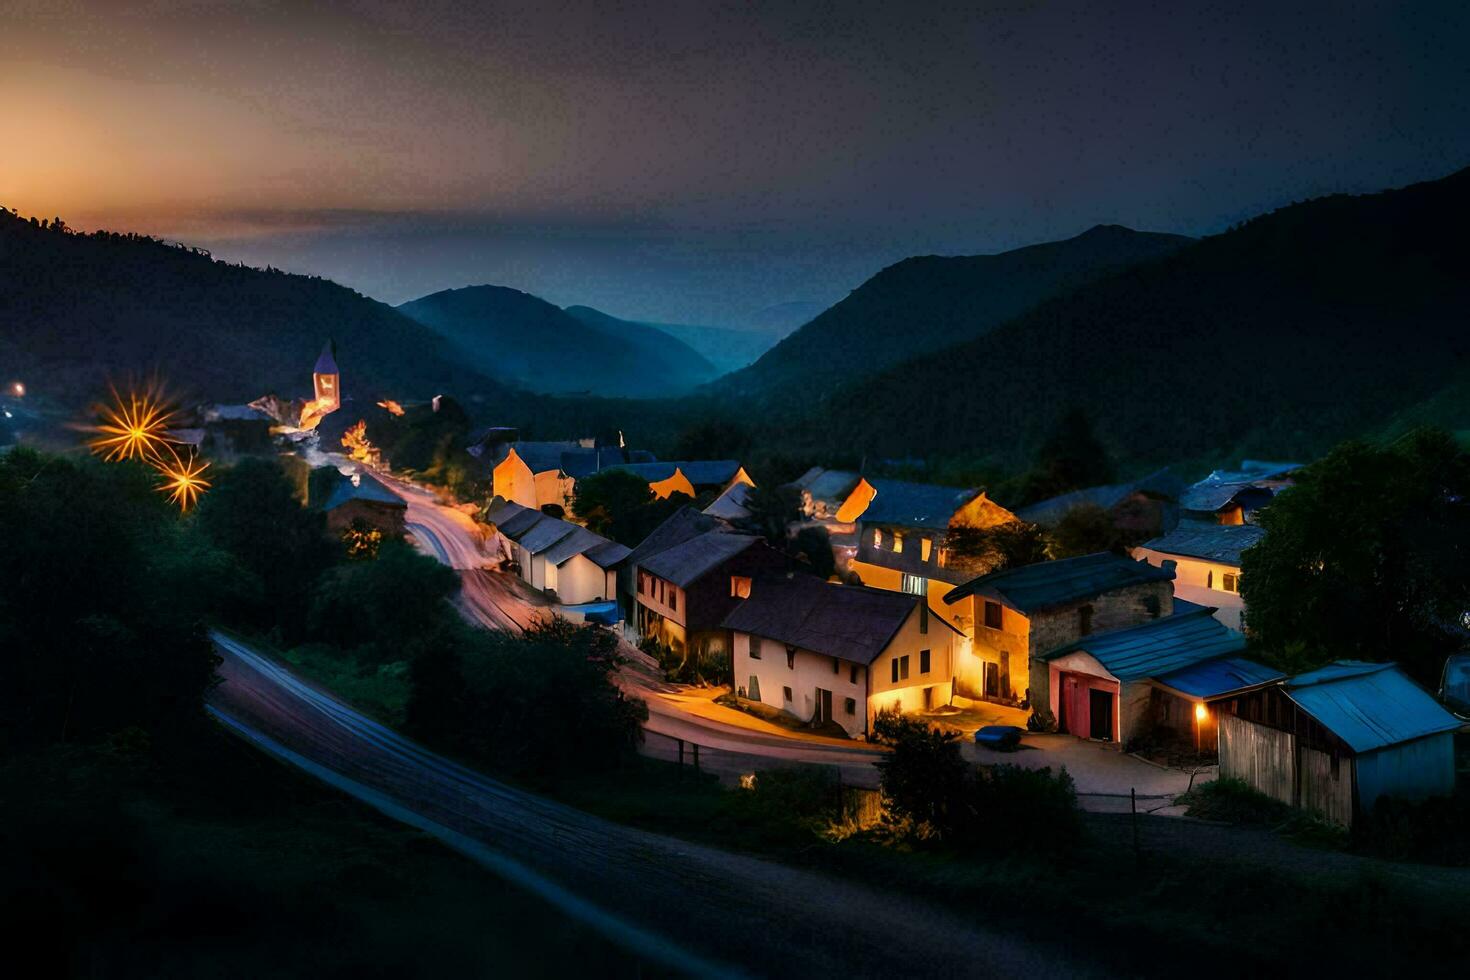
(326, 381)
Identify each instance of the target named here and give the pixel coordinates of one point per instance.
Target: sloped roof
(326, 362)
(515, 526)
(502, 510)
(833, 486)
(700, 472)
(578, 542)
(691, 560)
(368, 488)
(609, 554)
(1222, 543)
(581, 462)
(545, 533)
(1158, 647)
(1055, 583)
(851, 622)
(540, 457)
(1369, 706)
(678, 527)
(730, 505)
(1161, 483)
(905, 504)
(1219, 677)
(1222, 486)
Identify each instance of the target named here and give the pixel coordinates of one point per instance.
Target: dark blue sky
(697, 162)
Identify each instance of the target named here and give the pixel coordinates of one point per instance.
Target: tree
(609, 503)
(994, 549)
(1085, 530)
(923, 779)
(1070, 459)
(1366, 557)
(713, 438)
(384, 608)
(773, 509)
(253, 514)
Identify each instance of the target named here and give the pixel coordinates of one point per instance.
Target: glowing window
(926, 548)
(877, 537)
(740, 586)
(897, 543)
(1231, 582)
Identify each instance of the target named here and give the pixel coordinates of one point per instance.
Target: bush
(1233, 801)
(1435, 831)
(807, 796)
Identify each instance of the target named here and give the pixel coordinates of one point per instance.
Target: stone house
(1013, 616)
(364, 498)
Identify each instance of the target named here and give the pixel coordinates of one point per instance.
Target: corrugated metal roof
(609, 554)
(517, 525)
(1158, 647)
(367, 488)
(1219, 677)
(851, 622)
(1221, 543)
(685, 563)
(579, 542)
(904, 504)
(502, 510)
(1369, 706)
(545, 533)
(1055, 583)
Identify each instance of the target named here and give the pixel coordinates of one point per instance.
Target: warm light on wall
(1200, 713)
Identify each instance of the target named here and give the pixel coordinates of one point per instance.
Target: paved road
(681, 906)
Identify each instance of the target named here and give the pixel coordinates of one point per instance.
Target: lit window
(740, 586)
(923, 661)
(1232, 582)
(897, 543)
(926, 548)
(877, 537)
(915, 584)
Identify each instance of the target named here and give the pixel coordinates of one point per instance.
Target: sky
(698, 162)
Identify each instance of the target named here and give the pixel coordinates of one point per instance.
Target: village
(1131, 668)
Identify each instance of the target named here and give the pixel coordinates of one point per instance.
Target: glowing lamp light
(1200, 714)
(18, 390)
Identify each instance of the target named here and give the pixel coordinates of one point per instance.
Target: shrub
(1233, 801)
(1432, 830)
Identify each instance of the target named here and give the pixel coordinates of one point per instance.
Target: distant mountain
(1324, 320)
(526, 341)
(78, 311)
(664, 353)
(724, 348)
(783, 318)
(931, 302)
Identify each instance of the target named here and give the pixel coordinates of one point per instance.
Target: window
(740, 586)
(791, 658)
(923, 617)
(1084, 620)
(915, 584)
(642, 584)
(674, 599)
(992, 615)
(851, 705)
(900, 668)
(836, 666)
(897, 543)
(877, 537)
(1232, 582)
(1151, 606)
(923, 661)
(852, 674)
(755, 648)
(786, 693)
(1209, 578)
(926, 548)
(755, 688)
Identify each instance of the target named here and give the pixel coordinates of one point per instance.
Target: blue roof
(367, 488)
(1369, 706)
(1158, 647)
(905, 504)
(1219, 677)
(1221, 543)
(1055, 583)
(326, 362)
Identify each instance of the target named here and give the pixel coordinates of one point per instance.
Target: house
(1233, 496)
(1338, 739)
(537, 474)
(905, 531)
(1206, 559)
(1144, 507)
(564, 559)
(827, 653)
(1013, 616)
(689, 477)
(688, 574)
(824, 491)
(1116, 686)
(364, 498)
(730, 505)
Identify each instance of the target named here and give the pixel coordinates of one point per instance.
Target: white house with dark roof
(829, 653)
(559, 557)
(1206, 560)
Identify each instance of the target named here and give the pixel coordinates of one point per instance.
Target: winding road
(682, 907)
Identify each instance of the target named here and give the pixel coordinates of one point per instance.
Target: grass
(128, 862)
(1233, 801)
(380, 690)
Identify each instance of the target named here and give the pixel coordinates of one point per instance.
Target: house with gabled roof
(1014, 616)
(1233, 496)
(687, 574)
(1338, 739)
(363, 497)
(838, 654)
(540, 473)
(1206, 559)
(689, 476)
(904, 531)
(823, 491)
(566, 560)
(1124, 684)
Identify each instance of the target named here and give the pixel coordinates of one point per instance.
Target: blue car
(1454, 685)
(1001, 738)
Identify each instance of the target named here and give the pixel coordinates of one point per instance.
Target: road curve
(685, 907)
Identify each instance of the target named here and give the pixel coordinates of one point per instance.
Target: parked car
(1001, 738)
(1454, 685)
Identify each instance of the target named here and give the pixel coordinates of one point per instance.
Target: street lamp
(1200, 714)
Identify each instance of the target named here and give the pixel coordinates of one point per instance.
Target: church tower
(326, 382)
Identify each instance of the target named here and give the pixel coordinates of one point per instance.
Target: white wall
(579, 580)
(808, 672)
(1190, 576)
